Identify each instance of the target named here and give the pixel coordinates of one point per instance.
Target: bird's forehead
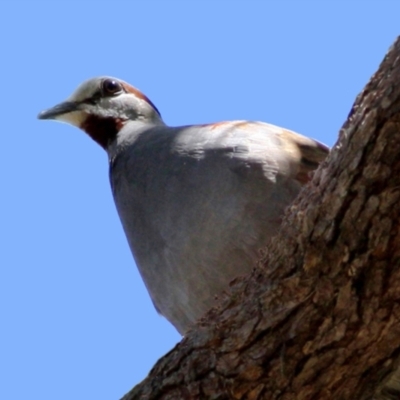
(92, 86)
(86, 90)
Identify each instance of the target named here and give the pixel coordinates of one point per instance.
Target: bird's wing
(275, 148)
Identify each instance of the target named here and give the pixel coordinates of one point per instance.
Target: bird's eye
(111, 87)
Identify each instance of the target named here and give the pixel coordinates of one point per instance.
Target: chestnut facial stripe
(139, 95)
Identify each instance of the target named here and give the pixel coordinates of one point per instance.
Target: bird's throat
(102, 130)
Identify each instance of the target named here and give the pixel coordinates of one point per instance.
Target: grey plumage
(197, 203)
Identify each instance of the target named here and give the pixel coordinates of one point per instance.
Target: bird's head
(102, 106)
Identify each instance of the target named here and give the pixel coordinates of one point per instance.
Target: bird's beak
(58, 111)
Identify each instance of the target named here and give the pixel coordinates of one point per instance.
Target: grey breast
(197, 207)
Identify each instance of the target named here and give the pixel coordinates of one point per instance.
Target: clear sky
(76, 320)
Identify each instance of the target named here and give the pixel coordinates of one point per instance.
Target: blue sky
(75, 317)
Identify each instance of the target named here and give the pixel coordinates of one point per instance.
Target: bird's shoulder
(259, 140)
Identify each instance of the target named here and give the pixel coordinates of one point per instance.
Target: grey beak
(60, 109)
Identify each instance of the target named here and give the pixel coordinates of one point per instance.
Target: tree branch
(319, 317)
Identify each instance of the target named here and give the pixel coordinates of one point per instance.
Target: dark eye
(111, 86)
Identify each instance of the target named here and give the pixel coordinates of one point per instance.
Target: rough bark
(320, 317)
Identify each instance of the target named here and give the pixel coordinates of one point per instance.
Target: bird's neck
(129, 133)
(106, 130)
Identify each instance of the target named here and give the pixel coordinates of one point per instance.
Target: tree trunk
(319, 318)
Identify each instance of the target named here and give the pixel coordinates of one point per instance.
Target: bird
(197, 203)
